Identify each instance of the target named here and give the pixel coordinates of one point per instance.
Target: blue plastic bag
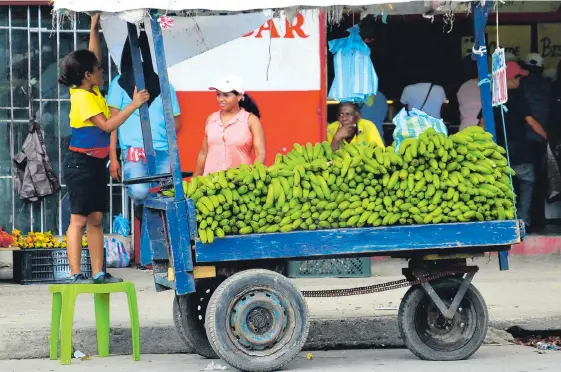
(116, 255)
(411, 124)
(121, 226)
(355, 78)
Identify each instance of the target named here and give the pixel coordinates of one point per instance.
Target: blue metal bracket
(144, 113)
(168, 110)
(177, 218)
(480, 15)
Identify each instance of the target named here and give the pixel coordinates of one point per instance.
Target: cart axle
(421, 278)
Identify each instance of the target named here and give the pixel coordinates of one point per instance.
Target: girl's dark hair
(75, 65)
(249, 104)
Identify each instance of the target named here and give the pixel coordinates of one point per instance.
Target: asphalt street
(487, 359)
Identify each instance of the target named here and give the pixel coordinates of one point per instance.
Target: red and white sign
(281, 55)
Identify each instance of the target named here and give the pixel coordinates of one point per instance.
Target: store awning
(213, 5)
(333, 8)
(390, 7)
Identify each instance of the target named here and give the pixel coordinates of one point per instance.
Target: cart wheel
(177, 322)
(430, 336)
(189, 319)
(257, 321)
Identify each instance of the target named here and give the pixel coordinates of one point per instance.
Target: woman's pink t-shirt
(229, 145)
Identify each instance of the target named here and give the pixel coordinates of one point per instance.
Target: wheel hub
(258, 320)
(439, 332)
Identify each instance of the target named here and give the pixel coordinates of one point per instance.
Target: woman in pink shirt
(233, 132)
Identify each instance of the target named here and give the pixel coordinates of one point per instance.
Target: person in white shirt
(469, 96)
(427, 97)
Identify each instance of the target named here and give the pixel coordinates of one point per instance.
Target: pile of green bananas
(429, 179)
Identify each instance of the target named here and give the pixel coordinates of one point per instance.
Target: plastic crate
(46, 266)
(331, 268)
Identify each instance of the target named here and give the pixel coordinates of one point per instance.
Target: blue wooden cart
(233, 301)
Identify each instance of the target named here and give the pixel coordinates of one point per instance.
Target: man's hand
(115, 170)
(536, 126)
(345, 131)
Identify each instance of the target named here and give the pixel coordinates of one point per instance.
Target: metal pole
(480, 14)
(168, 110)
(177, 217)
(144, 113)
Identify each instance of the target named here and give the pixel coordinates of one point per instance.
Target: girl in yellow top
(84, 172)
(352, 128)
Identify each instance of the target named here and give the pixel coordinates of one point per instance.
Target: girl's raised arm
(95, 40)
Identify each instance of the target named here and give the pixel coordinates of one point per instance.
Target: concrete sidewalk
(526, 296)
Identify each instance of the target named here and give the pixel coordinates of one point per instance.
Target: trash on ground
(79, 355)
(540, 343)
(309, 356)
(214, 367)
(546, 346)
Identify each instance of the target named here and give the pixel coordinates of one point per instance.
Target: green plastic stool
(64, 299)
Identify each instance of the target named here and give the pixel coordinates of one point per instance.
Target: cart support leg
(449, 312)
(503, 260)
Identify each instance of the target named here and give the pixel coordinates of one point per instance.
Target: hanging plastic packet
(500, 91)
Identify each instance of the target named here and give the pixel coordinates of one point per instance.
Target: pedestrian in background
(469, 96)
(536, 91)
(376, 111)
(426, 97)
(517, 141)
(129, 135)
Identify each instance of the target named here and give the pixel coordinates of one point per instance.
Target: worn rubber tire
(176, 314)
(191, 329)
(412, 303)
(218, 319)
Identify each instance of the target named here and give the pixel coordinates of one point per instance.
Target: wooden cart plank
(301, 244)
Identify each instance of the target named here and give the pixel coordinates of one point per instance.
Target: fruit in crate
(6, 240)
(427, 180)
(35, 240)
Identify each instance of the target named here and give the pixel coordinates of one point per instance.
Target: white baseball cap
(229, 83)
(534, 59)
